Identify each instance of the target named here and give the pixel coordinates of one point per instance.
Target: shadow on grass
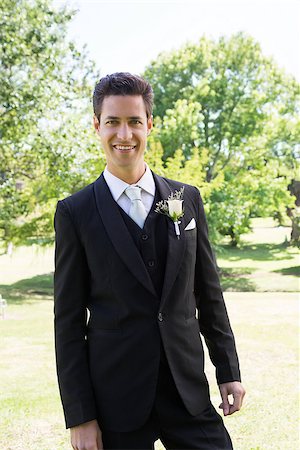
(235, 279)
(29, 290)
(295, 271)
(255, 252)
(41, 286)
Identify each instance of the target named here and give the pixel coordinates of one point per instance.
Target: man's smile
(124, 148)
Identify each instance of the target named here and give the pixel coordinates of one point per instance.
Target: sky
(126, 35)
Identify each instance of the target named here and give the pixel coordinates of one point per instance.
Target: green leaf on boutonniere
(173, 208)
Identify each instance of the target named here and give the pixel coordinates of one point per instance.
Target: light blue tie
(137, 209)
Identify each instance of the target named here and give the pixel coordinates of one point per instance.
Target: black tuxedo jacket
(110, 323)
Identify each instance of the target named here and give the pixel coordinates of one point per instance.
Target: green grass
(30, 410)
(265, 326)
(254, 266)
(266, 331)
(24, 290)
(260, 266)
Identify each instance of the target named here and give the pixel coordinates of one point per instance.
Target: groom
(132, 294)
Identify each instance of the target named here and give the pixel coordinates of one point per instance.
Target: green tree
(45, 117)
(226, 97)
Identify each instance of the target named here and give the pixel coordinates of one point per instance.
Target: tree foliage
(45, 115)
(226, 121)
(241, 111)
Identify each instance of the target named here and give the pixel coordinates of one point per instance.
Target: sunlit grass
(263, 262)
(265, 326)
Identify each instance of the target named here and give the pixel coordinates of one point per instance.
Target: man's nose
(124, 132)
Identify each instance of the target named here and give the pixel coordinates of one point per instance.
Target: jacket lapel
(176, 246)
(119, 234)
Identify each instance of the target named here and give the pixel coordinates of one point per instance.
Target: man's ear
(96, 123)
(149, 125)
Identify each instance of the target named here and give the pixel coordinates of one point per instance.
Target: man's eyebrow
(116, 117)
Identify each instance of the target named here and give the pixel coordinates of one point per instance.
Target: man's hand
(235, 389)
(86, 436)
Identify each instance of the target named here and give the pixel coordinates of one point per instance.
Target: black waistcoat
(152, 243)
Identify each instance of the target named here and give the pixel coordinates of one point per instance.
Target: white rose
(175, 207)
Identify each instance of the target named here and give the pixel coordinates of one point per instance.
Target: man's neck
(129, 176)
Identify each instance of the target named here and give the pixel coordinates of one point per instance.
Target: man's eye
(136, 122)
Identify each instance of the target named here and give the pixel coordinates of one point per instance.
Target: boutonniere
(173, 208)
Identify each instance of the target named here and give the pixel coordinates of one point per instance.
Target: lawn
(264, 261)
(265, 326)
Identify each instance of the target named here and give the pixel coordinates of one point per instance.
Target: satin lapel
(119, 234)
(176, 246)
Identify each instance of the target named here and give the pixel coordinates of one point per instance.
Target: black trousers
(170, 422)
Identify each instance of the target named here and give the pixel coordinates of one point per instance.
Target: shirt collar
(117, 186)
(147, 181)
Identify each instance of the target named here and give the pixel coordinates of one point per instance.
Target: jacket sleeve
(70, 298)
(212, 314)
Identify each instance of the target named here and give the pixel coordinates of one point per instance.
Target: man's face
(123, 130)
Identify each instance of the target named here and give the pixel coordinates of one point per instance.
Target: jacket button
(151, 263)
(145, 237)
(160, 317)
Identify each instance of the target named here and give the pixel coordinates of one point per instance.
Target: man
(132, 371)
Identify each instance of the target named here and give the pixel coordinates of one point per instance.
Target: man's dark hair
(122, 83)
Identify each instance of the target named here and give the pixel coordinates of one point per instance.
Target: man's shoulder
(81, 197)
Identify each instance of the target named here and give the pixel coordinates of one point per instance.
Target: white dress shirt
(117, 188)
